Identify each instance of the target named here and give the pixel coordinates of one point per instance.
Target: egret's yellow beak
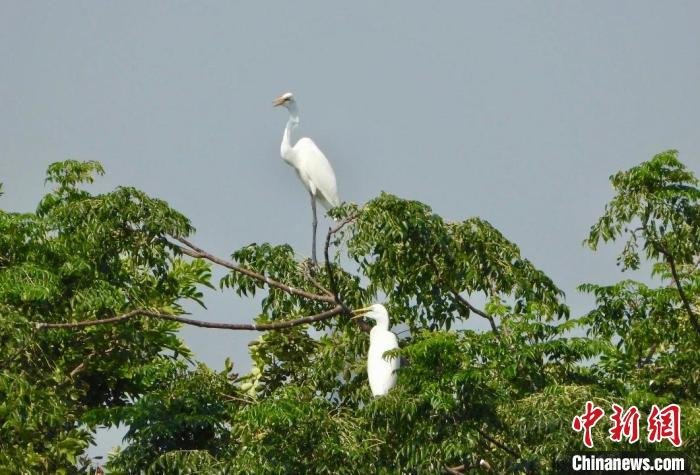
(360, 312)
(279, 101)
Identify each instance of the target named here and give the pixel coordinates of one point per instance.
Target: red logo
(661, 424)
(586, 421)
(665, 424)
(624, 424)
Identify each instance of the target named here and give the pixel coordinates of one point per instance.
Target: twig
(472, 308)
(77, 369)
(677, 281)
(329, 269)
(458, 470)
(650, 355)
(316, 283)
(88, 323)
(198, 323)
(197, 252)
(331, 274)
(463, 300)
(498, 444)
(234, 398)
(681, 292)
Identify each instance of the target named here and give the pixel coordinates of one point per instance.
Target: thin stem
(498, 444)
(326, 255)
(463, 300)
(681, 292)
(193, 251)
(197, 323)
(316, 283)
(458, 470)
(331, 272)
(472, 308)
(677, 281)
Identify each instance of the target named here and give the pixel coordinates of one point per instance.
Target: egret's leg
(314, 223)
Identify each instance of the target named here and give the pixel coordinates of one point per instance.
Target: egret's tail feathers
(327, 204)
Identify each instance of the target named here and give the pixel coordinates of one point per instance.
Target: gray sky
(513, 111)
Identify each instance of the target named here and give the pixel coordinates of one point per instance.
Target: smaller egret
(380, 369)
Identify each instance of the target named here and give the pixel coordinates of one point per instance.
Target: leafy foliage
(80, 257)
(505, 394)
(184, 410)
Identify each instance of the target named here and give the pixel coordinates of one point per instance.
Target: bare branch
(649, 357)
(308, 274)
(78, 369)
(498, 444)
(677, 281)
(234, 398)
(472, 308)
(344, 222)
(681, 292)
(280, 325)
(463, 300)
(197, 252)
(89, 323)
(331, 274)
(329, 268)
(458, 470)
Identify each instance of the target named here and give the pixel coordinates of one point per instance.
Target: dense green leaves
(657, 204)
(82, 257)
(505, 394)
(181, 410)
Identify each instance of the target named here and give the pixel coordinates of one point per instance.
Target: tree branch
(677, 281)
(681, 292)
(193, 251)
(498, 444)
(318, 285)
(472, 308)
(280, 325)
(78, 369)
(458, 470)
(648, 359)
(329, 268)
(463, 300)
(89, 323)
(331, 274)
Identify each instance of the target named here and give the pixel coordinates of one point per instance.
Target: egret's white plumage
(312, 167)
(380, 369)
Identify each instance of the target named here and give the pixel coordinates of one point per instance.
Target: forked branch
(192, 250)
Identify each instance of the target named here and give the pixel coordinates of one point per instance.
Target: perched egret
(312, 166)
(380, 369)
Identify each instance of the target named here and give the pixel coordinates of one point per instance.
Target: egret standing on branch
(312, 166)
(380, 369)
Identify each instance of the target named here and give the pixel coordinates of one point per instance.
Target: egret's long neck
(382, 322)
(286, 148)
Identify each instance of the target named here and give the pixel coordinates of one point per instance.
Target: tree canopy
(92, 288)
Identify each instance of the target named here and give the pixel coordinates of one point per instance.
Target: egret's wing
(315, 167)
(380, 368)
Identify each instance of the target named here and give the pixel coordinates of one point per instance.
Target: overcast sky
(513, 111)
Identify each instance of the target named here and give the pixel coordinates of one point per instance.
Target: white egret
(380, 369)
(312, 166)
